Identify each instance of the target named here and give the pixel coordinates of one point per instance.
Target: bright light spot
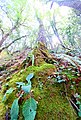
(64, 10)
(45, 14)
(55, 41)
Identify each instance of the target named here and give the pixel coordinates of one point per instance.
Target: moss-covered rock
(51, 104)
(42, 71)
(41, 53)
(50, 95)
(2, 109)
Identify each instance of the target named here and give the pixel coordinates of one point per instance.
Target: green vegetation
(50, 95)
(21, 77)
(40, 60)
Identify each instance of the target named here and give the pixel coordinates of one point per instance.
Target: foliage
(24, 15)
(14, 110)
(29, 109)
(51, 96)
(29, 77)
(19, 84)
(59, 80)
(26, 88)
(21, 18)
(8, 92)
(78, 103)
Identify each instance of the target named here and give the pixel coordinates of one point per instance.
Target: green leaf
(4, 98)
(27, 87)
(80, 107)
(14, 110)
(79, 114)
(78, 103)
(8, 92)
(58, 78)
(29, 109)
(60, 81)
(20, 84)
(29, 77)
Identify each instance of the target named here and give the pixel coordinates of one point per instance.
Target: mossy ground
(2, 109)
(52, 104)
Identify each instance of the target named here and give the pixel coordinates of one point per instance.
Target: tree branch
(6, 36)
(53, 25)
(12, 42)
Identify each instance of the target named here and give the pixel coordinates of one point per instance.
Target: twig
(70, 101)
(74, 105)
(12, 42)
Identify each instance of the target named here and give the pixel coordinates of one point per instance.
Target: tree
(19, 16)
(41, 33)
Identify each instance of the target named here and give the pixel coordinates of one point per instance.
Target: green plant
(8, 92)
(29, 109)
(78, 103)
(30, 105)
(14, 110)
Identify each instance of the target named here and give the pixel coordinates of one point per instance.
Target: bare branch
(17, 24)
(6, 36)
(12, 42)
(2, 31)
(6, 14)
(53, 25)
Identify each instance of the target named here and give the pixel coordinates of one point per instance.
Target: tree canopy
(23, 25)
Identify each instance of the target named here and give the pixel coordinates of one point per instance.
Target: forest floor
(56, 84)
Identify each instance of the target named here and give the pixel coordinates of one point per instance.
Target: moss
(10, 99)
(69, 74)
(2, 109)
(21, 77)
(41, 53)
(52, 103)
(51, 97)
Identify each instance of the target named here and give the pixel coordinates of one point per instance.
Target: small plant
(8, 92)
(30, 105)
(78, 103)
(75, 101)
(14, 110)
(31, 56)
(29, 109)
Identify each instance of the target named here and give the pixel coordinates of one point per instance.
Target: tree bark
(41, 33)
